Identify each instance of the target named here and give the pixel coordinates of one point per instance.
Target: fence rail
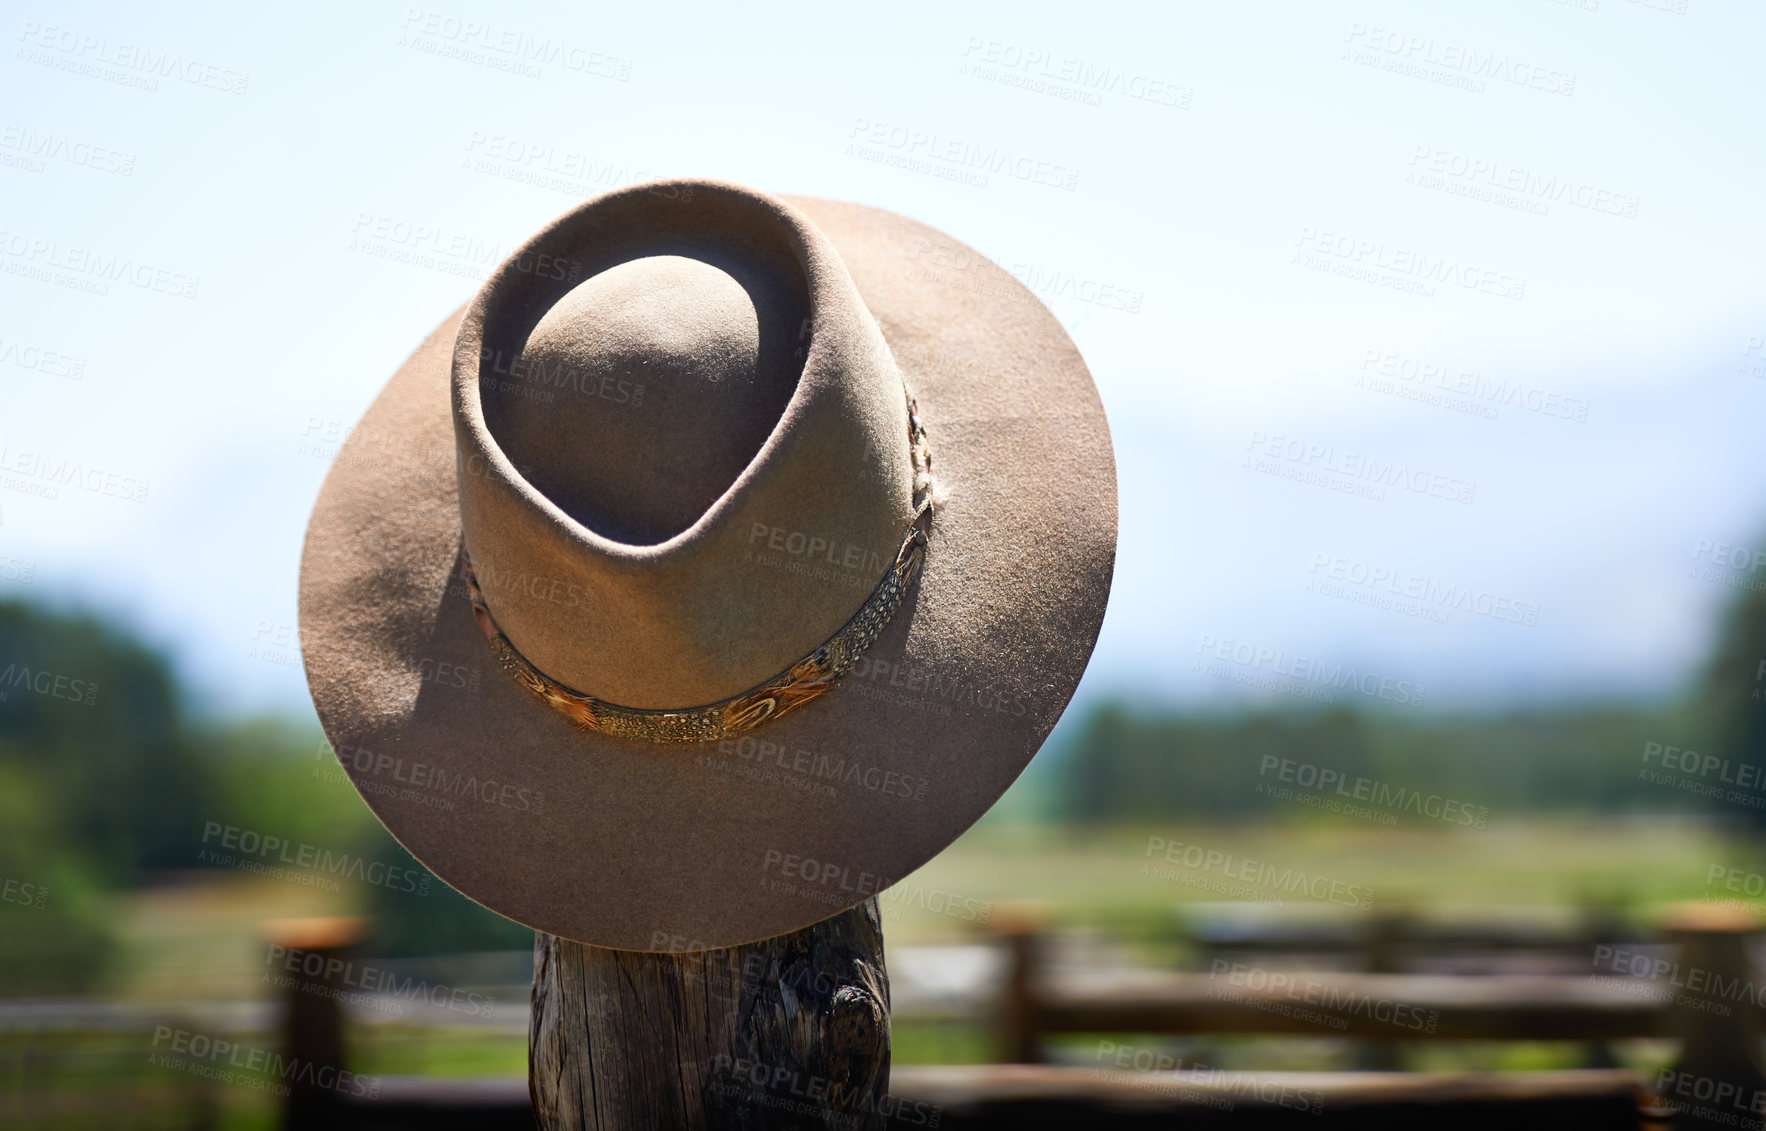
(1707, 1000)
(1019, 1097)
(1405, 1006)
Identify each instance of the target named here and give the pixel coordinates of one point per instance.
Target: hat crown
(728, 521)
(642, 393)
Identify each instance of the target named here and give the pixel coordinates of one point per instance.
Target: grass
(203, 940)
(1118, 877)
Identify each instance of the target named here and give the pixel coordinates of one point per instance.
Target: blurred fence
(1381, 986)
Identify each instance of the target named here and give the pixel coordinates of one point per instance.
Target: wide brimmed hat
(724, 559)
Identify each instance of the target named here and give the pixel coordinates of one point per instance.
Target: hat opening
(634, 391)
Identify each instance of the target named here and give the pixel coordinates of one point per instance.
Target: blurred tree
(1127, 764)
(55, 927)
(278, 777)
(1733, 694)
(94, 716)
(439, 920)
(1146, 765)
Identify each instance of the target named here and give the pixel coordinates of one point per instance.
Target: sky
(1432, 337)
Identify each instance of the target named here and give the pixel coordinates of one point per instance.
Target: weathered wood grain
(788, 1032)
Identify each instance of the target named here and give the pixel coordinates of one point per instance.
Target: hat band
(804, 680)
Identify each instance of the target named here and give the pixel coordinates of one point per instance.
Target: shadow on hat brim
(649, 847)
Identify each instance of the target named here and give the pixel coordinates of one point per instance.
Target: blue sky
(1432, 337)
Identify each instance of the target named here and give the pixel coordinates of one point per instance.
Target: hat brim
(645, 847)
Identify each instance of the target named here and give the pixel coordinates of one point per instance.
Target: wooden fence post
(1387, 934)
(1718, 1080)
(1019, 927)
(789, 1031)
(312, 1021)
(1599, 924)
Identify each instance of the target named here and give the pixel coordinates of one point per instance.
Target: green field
(1101, 877)
(200, 940)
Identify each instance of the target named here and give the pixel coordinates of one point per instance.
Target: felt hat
(724, 559)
